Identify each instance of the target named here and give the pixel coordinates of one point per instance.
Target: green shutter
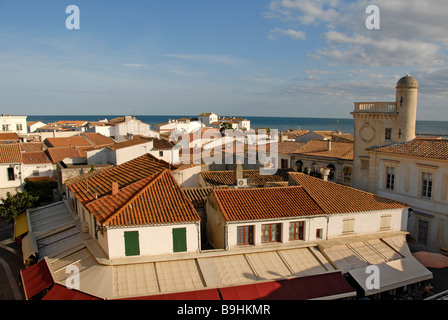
(131, 244)
(94, 228)
(179, 239)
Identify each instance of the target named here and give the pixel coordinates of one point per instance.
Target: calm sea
(280, 123)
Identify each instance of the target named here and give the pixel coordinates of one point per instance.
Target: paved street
(10, 265)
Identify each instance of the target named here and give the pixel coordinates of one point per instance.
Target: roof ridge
(132, 199)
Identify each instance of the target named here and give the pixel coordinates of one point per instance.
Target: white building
(180, 126)
(122, 152)
(122, 128)
(208, 118)
(10, 123)
(390, 161)
(309, 210)
(11, 169)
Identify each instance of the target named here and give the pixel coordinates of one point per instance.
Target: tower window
(388, 134)
(401, 101)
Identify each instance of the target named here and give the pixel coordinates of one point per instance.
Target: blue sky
(301, 58)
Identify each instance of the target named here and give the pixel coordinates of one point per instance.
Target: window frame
(272, 235)
(296, 235)
(390, 178)
(245, 233)
(426, 187)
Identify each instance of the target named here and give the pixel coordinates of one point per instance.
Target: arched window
(299, 165)
(332, 170)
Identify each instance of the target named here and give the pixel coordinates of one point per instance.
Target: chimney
(325, 173)
(238, 170)
(329, 144)
(114, 188)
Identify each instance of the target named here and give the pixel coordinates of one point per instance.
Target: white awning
(392, 274)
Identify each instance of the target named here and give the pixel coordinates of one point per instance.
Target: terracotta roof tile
(124, 174)
(289, 146)
(319, 148)
(35, 157)
(265, 203)
(10, 153)
(9, 136)
(59, 154)
(227, 177)
(98, 138)
(157, 199)
(73, 141)
(420, 147)
(336, 198)
(198, 196)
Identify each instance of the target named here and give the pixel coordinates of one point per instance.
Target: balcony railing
(375, 107)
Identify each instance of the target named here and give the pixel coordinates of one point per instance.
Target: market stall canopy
(431, 259)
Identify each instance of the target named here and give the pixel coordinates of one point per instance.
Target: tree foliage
(13, 205)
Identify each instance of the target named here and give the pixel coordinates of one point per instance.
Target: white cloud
(208, 58)
(137, 66)
(412, 32)
(294, 34)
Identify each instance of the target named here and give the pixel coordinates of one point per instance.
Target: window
(296, 230)
(390, 178)
(319, 233)
(5, 127)
(19, 126)
(11, 175)
(160, 153)
(422, 236)
(245, 235)
(347, 174)
(388, 134)
(35, 173)
(284, 163)
(426, 185)
(131, 243)
(299, 165)
(385, 222)
(348, 226)
(271, 232)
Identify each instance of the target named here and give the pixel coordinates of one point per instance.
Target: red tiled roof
(98, 138)
(420, 147)
(100, 184)
(227, 177)
(59, 154)
(35, 157)
(9, 136)
(32, 146)
(265, 203)
(67, 142)
(10, 153)
(319, 148)
(336, 198)
(156, 199)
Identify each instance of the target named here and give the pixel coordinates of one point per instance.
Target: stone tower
(382, 123)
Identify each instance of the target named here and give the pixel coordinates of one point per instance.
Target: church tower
(382, 123)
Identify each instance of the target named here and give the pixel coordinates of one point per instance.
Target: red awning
(36, 278)
(59, 292)
(323, 286)
(209, 294)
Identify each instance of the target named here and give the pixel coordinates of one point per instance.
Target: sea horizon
(345, 125)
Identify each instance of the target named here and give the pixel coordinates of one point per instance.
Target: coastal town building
(9, 123)
(389, 160)
(11, 167)
(179, 126)
(286, 244)
(316, 155)
(122, 128)
(34, 125)
(120, 152)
